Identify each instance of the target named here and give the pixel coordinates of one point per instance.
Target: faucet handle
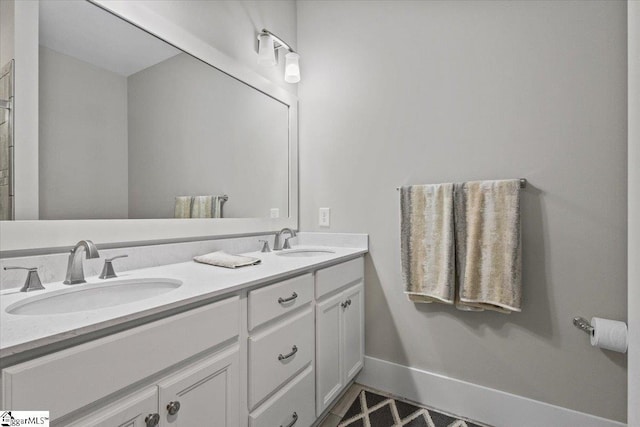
(265, 246)
(107, 271)
(33, 282)
(286, 244)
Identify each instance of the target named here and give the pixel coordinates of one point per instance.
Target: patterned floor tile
(371, 409)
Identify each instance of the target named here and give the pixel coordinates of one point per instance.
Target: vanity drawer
(93, 370)
(333, 278)
(280, 298)
(269, 366)
(297, 397)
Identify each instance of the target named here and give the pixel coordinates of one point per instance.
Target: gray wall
(194, 131)
(231, 26)
(83, 140)
(425, 92)
(634, 210)
(6, 31)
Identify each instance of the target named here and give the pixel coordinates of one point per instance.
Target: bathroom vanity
(168, 342)
(269, 345)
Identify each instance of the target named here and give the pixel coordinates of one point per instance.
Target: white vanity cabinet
(77, 377)
(281, 354)
(275, 355)
(339, 329)
(204, 393)
(139, 409)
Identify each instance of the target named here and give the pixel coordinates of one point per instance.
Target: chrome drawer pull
(294, 350)
(291, 298)
(295, 419)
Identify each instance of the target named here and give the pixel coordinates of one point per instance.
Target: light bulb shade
(266, 51)
(292, 68)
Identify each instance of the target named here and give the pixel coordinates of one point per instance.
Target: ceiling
(82, 30)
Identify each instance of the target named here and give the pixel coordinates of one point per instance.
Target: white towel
(223, 259)
(182, 207)
(488, 245)
(427, 242)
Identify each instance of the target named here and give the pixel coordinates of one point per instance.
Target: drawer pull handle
(295, 419)
(152, 420)
(346, 304)
(294, 350)
(173, 407)
(291, 298)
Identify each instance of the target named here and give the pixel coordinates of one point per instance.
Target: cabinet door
(132, 411)
(208, 393)
(353, 331)
(329, 376)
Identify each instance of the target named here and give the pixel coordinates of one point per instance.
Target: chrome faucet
(75, 272)
(277, 246)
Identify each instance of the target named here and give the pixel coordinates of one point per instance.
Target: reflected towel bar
(523, 183)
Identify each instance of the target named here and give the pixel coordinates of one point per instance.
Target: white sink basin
(92, 296)
(298, 253)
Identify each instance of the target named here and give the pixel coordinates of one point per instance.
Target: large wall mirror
(134, 128)
(133, 125)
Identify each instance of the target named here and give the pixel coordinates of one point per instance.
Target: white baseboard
(490, 406)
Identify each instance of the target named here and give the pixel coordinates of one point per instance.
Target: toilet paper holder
(583, 324)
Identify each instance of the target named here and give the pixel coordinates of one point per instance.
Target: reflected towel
(218, 201)
(488, 247)
(223, 259)
(182, 207)
(202, 207)
(427, 242)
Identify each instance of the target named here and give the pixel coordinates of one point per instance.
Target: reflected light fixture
(269, 43)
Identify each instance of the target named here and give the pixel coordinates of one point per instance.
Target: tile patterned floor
(360, 407)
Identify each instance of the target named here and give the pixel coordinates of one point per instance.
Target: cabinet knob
(152, 420)
(173, 407)
(295, 419)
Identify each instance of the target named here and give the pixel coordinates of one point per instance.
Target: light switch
(324, 219)
(275, 213)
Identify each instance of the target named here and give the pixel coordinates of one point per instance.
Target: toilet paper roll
(609, 334)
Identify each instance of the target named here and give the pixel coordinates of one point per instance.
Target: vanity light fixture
(269, 43)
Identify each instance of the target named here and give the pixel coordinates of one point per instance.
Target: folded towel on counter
(427, 242)
(223, 259)
(183, 207)
(488, 245)
(202, 207)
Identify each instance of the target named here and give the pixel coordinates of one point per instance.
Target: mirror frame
(41, 236)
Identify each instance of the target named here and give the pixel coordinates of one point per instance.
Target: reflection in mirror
(131, 127)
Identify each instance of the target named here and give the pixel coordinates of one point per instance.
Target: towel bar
(583, 324)
(523, 183)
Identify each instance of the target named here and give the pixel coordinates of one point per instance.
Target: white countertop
(22, 333)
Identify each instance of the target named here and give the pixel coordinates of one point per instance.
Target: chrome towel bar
(523, 183)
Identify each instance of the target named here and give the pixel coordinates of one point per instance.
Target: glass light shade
(266, 51)
(292, 68)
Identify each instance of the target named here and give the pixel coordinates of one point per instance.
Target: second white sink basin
(297, 253)
(93, 296)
